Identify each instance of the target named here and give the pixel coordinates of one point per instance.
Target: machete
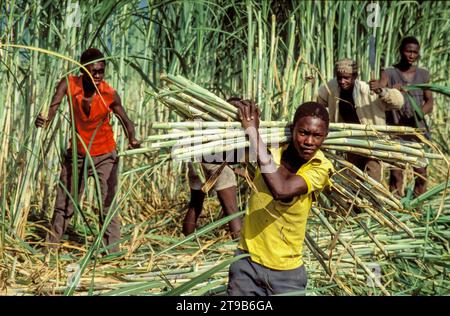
(372, 52)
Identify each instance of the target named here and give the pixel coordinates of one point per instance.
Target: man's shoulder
(106, 88)
(331, 83)
(74, 84)
(317, 172)
(320, 160)
(72, 79)
(363, 86)
(329, 86)
(391, 71)
(108, 93)
(361, 83)
(422, 72)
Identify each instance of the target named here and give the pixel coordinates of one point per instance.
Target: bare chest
(86, 103)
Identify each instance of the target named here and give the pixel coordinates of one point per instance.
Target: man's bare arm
(384, 79)
(126, 123)
(428, 105)
(61, 89)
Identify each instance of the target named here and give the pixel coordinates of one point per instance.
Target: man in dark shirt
(347, 106)
(403, 73)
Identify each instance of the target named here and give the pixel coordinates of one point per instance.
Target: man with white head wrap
(350, 100)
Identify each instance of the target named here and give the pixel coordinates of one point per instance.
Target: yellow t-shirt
(273, 230)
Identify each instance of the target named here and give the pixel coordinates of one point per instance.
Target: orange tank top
(95, 128)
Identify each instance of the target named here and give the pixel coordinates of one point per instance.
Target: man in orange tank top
(91, 103)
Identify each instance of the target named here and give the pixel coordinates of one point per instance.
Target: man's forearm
(272, 178)
(52, 112)
(259, 148)
(129, 128)
(127, 125)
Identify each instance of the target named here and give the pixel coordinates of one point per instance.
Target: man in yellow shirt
(275, 222)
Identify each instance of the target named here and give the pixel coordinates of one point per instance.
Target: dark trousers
(420, 180)
(106, 168)
(248, 278)
(371, 166)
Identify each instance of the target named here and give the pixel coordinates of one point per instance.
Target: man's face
(410, 53)
(97, 71)
(308, 135)
(346, 81)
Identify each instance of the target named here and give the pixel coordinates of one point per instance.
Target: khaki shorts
(225, 180)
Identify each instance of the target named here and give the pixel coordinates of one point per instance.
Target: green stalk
(350, 250)
(378, 154)
(367, 144)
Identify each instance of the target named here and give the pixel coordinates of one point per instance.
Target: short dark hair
(91, 54)
(313, 109)
(234, 99)
(408, 40)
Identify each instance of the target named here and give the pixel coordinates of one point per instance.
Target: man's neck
(404, 66)
(291, 159)
(88, 89)
(348, 92)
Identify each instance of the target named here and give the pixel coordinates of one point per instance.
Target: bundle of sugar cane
(216, 129)
(195, 139)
